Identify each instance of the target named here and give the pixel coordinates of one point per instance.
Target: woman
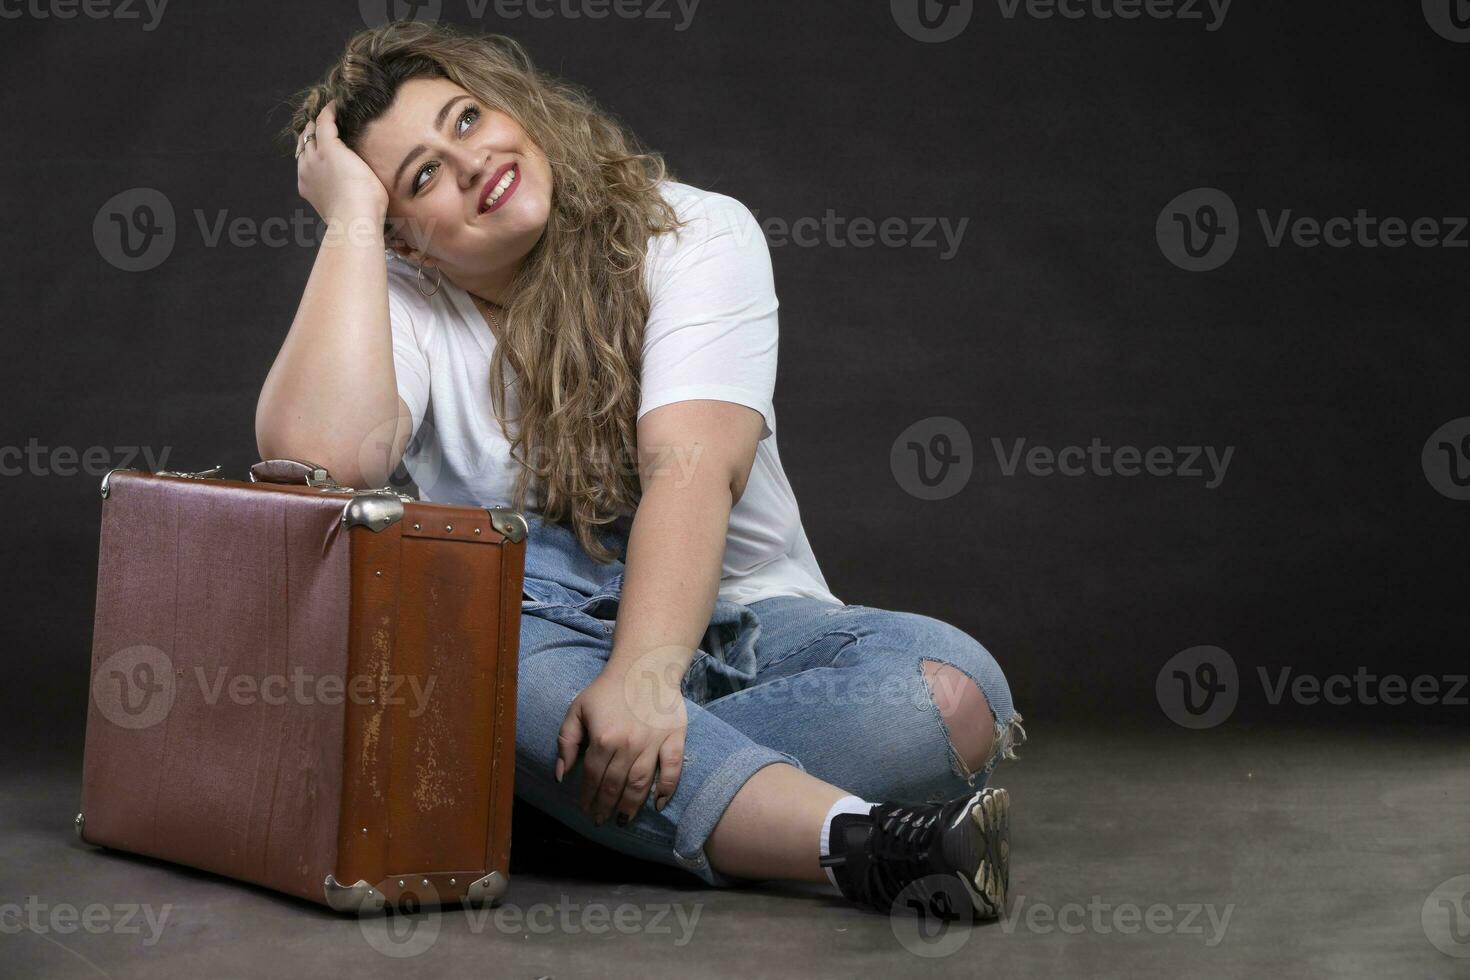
(562, 327)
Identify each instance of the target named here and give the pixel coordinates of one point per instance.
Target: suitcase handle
(297, 471)
(302, 472)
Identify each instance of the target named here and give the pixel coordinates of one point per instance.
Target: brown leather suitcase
(304, 685)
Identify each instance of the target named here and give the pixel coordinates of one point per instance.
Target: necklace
(485, 308)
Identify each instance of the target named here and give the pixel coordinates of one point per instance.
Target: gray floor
(1229, 853)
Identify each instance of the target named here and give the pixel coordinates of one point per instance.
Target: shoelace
(898, 847)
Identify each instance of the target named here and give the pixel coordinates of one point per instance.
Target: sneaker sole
(990, 812)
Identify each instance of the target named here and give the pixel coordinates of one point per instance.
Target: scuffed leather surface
(226, 583)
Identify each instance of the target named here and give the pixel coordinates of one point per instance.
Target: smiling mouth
(508, 180)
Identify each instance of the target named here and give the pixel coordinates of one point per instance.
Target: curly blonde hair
(573, 328)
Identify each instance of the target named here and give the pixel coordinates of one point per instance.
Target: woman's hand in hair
(332, 177)
(632, 720)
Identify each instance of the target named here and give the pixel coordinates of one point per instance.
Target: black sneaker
(912, 854)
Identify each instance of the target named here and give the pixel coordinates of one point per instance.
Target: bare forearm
(672, 574)
(331, 394)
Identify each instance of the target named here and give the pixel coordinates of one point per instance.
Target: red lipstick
(493, 182)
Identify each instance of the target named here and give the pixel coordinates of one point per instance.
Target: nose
(469, 164)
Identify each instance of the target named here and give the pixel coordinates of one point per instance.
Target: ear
(395, 241)
(408, 253)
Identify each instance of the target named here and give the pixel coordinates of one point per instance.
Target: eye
(470, 114)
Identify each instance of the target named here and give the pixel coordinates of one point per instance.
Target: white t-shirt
(711, 334)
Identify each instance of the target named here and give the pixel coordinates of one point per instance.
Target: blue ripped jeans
(835, 690)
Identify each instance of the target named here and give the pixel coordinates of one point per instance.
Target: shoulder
(711, 223)
(697, 205)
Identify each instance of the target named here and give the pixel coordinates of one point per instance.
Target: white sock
(848, 804)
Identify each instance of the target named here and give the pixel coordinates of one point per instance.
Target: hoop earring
(437, 283)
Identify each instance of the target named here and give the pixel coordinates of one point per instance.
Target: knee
(966, 712)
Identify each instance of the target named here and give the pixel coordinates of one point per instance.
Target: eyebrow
(438, 124)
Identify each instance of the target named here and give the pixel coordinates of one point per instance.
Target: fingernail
(622, 820)
(558, 770)
(659, 803)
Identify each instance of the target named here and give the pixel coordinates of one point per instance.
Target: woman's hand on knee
(632, 723)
